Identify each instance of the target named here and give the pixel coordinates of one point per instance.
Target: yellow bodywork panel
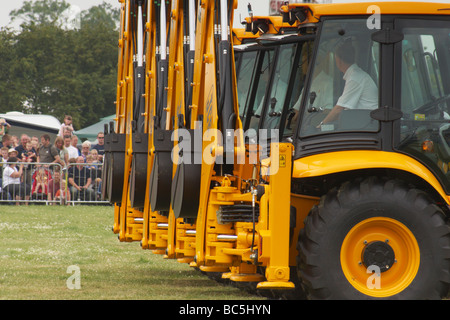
(275, 214)
(385, 8)
(334, 162)
(302, 205)
(316, 11)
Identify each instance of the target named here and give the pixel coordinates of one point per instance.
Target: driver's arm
(334, 113)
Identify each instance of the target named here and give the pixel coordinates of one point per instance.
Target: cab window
(344, 86)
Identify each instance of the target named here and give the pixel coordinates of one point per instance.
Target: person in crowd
(28, 158)
(96, 159)
(73, 161)
(68, 131)
(12, 153)
(29, 154)
(35, 144)
(11, 181)
(39, 189)
(35, 138)
(74, 143)
(62, 194)
(80, 182)
(6, 141)
(47, 152)
(95, 169)
(90, 162)
(54, 185)
(100, 146)
(4, 154)
(26, 177)
(63, 152)
(66, 127)
(15, 141)
(4, 126)
(24, 138)
(73, 152)
(85, 148)
(3, 159)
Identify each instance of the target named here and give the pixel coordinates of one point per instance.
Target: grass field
(40, 244)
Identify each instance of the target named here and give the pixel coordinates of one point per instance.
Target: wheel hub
(380, 254)
(384, 243)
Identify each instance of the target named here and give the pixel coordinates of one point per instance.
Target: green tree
(11, 96)
(96, 61)
(40, 12)
(103, 14)
(49, 69)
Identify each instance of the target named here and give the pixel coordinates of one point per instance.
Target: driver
(360, 91)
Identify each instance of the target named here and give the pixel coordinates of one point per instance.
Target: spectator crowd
(60, 170)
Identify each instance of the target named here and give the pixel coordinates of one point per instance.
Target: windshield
(245, 67)
(278, 91)
(261, 83)
(279, 109)
(270, 85)
(344, 85)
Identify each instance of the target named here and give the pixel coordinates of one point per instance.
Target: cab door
(422, 92)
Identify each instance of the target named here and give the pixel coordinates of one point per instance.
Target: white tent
(31, 124)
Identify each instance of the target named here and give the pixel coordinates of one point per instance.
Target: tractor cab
(383, 86)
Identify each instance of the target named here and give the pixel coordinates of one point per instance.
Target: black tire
(328, 224)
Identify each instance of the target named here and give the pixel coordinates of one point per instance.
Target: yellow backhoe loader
(352, 202)
(321, 170)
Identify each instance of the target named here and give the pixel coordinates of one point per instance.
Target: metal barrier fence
(50, 183)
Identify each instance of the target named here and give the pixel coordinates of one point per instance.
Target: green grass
(39, 243)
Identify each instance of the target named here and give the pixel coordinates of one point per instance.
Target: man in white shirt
(73, 152)
(11, 181)
(360, 91)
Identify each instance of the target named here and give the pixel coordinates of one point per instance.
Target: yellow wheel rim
(394, 238)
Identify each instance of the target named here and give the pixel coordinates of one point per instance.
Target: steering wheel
(427, 107)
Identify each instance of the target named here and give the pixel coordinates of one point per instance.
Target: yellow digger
(142, 79)
(161, 100)
(323, 170)
(352, 200)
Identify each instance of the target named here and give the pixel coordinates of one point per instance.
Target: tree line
(58, 63)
